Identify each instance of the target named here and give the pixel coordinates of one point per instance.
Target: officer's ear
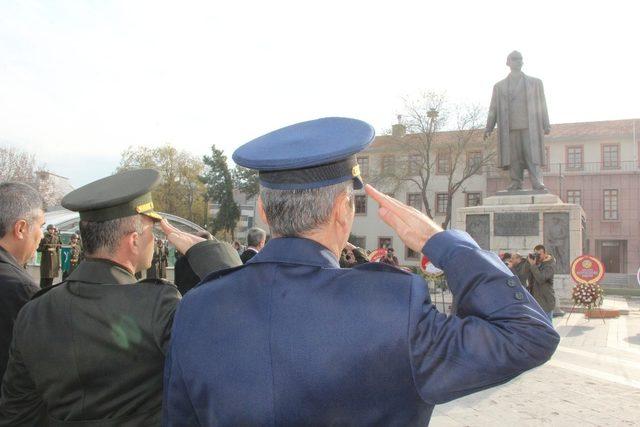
(20, 229)
(343, 208)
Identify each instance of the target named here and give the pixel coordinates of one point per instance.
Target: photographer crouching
(542, 268)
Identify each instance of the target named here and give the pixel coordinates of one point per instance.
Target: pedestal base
(518, 221)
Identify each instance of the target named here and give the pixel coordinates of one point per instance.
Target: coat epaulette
(155, 281)
(45, 290)
(379, 266)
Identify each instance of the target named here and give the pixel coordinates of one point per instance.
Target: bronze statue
(519, 108)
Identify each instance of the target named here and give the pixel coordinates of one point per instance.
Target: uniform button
(512, 282)
(519, 296)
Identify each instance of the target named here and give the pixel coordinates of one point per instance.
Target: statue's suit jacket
(538, 119)
(292, 339)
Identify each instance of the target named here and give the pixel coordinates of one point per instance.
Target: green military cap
(116, 196)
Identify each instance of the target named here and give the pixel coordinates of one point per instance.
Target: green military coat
(50, 259)
(105, 336)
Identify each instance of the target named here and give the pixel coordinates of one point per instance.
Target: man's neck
(253, 248)
(328, 240)
(116, 258)
(516, 74)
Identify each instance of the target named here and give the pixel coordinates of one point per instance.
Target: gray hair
(296, 212)
(106, 235)
(18, 201)
(255, 236)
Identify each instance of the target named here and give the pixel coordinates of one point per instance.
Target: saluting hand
(182, 240)
(412, 226)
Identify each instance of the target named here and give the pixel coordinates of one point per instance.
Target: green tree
(246, 181)
(219, 185)
(181, 191)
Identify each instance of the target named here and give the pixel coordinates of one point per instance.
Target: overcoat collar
(6, 257)
(101, 271)
(296, 250)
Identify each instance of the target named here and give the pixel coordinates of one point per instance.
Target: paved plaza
(593, 379)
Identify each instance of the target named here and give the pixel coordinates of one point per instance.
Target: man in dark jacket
(256, 238)
(542, 267)
(21, 221)
(104, 333)
(184, 276)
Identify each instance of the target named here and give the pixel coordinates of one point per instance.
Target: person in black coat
(21, 221)
(256, 238)
(184, 276)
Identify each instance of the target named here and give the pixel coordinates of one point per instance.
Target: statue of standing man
(519, 108)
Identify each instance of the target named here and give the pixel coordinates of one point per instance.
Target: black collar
(101, 271)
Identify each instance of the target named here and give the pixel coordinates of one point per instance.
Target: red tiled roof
(601, 129)
(606, 128)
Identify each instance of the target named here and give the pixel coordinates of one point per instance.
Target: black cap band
(312, 177)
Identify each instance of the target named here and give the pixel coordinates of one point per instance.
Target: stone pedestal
(518, 221)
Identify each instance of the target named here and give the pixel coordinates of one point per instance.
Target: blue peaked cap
(308, 155)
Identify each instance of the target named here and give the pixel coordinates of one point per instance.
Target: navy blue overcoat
(292, 339)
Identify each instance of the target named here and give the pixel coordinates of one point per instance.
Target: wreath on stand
(587, 295)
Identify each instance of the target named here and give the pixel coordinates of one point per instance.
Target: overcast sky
(80, 81)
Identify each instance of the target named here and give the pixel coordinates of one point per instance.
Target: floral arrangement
(588, 295)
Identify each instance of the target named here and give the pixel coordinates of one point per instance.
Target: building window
(363, 162)
(361, 204)
(574, 157)
(610, 204)
(385, 242)
(442, 201)
(574, 196)
(547, 158)
(611, 156)
(443, 162)
(415, 163)
(387, 164)
(415, 200)
(473, 199)
(411, 254)
(474, 162)
(358, 241)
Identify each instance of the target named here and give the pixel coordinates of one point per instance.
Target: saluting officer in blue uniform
(290, 338)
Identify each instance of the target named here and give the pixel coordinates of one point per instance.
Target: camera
(535, 256)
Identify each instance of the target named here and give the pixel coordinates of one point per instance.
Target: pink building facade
(596, 165)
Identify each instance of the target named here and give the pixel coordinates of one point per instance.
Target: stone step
(615, 280)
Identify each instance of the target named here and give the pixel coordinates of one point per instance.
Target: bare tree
(17, 165)
(470, 154)
(426, 115)
(425, 133)
(22, 166)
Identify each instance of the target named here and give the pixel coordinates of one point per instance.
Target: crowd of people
(286, 338)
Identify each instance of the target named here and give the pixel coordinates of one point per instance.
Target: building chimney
(398, 130)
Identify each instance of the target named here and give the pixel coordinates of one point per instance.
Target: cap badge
(145, 207)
